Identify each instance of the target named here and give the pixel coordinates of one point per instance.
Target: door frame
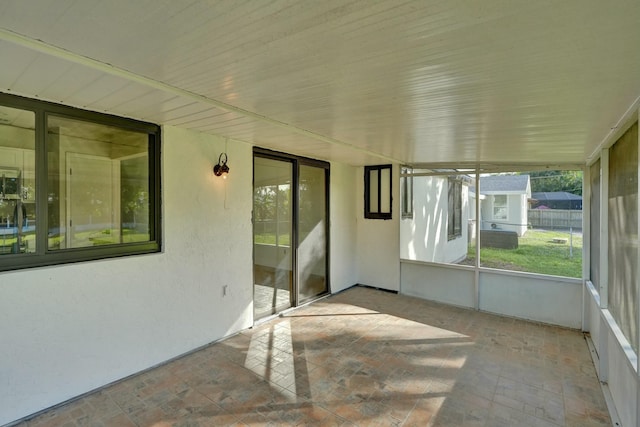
(296, 162)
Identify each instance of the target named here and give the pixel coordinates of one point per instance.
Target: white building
(506, 203)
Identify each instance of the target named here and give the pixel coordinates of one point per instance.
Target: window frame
(454, 216)
(505, 206)
(43, 256)
(406, 192)
(368, 212)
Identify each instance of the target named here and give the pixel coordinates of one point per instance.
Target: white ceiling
(492, 81)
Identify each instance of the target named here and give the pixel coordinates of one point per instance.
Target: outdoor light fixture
(221, 168)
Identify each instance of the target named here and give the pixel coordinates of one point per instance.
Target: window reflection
(17, 181)
(98, 185)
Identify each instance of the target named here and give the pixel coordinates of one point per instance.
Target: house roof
(497, 184)
(429, 82)
(554, 195)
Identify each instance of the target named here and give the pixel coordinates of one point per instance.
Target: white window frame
(454, 213)
(406, 192)
(500, 206)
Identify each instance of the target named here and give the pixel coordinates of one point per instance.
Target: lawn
(270, 239)
(536, 253)
(81, 239)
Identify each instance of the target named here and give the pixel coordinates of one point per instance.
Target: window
(75, 185)
(500, 206)
(454, 224)
(377, 192)
(17, 184)
(406, 192)
(623, 234)
(545, 239)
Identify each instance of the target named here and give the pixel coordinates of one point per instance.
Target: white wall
(547, 299)
(592, 316)
(69, 329)
(378, 240)
(343, 227)
(614, 359)
(269, 255)
(622, 380)
(454, 286)
(522, 214)
(424, 237)
(72, 328)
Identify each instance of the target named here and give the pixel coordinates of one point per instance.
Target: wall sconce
(221, 169)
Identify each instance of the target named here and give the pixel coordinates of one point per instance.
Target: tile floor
(363, 357)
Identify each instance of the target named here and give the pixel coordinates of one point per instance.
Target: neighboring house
(438, 229)
(506, 203)
(443, 219)
(556, 200)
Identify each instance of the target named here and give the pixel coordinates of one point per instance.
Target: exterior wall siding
(379, 240)
(70, 329)
(424, 237)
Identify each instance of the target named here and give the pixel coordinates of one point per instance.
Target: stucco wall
(72, 328)
(343, 236)
(424, 237)
(379, 240)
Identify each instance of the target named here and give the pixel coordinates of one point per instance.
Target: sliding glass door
(272, 232)
(312, 237)
(290, 231)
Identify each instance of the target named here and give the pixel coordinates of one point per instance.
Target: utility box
(498, 239)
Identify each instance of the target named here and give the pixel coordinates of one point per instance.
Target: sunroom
(174, 174)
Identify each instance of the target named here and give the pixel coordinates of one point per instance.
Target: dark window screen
(623, 233)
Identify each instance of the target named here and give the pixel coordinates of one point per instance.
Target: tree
(556, 180)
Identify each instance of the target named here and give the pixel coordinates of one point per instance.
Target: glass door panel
(272, 236)
(312, 229)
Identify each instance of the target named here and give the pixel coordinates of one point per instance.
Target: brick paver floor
(363, 357)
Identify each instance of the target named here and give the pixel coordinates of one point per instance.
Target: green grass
(270, 239)
(92, 238)
(536, 254)
(6, 243)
